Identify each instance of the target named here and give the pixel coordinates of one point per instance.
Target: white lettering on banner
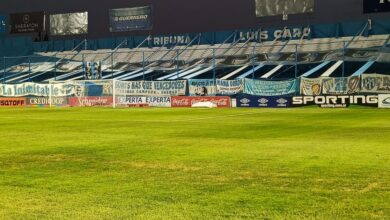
(47, 101)
(321, 100)
(153, 101)
(160, 41)
(229, 87)
(35, 89)
(286, 33)
(151, 88)
(383, 1)
(131, 17)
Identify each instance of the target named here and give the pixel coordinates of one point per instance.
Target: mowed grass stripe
(97, 163)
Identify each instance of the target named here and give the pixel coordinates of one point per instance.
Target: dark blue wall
(183, 16)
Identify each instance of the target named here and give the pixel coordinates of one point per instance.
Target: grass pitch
(96, 163)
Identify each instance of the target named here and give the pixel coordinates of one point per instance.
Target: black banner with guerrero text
(28, 22)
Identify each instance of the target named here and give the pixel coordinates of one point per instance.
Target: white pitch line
(108, 120)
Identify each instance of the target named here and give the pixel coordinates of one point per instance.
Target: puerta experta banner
(151, 88)
(249, 101)
(92, 70)
(129, 19)
(152, 101)
(375, 83)
(341, 85)
(2, 24)
(69, 24)
(229, 87)
(374, 6)
(271, 88)
(35, 89)
(202, 87)
(28, 22)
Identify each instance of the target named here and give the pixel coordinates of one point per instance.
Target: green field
(98, 163)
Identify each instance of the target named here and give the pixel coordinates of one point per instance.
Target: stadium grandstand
(285, 49)
(195, 109)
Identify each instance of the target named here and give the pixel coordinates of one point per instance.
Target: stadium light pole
(214, 74)
(253, 61)
(4, 69)
(177, 61)
(55, 70)
(143, 65)
(112, 64)
(343, 71)
(29, 69)
(296, 60)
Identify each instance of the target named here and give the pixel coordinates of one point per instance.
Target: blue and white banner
(2, 24)
(311, 86)
(375, 83)
(152, 101)
(130, 19)
(202, 87)
(92, 70)
(151, 88)
(229, 87)
(249, 101)
(93, 88)
(36, 89)
(271, 88)
(341, 85)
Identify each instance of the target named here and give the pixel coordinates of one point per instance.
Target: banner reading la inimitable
(36, 89)
(129, 19)
(28, 22)
(375, 6)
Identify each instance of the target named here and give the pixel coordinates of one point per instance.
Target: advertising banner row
(124, 19)
(336, 101)
(244, 101)
(108, 101)
(365, 84)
